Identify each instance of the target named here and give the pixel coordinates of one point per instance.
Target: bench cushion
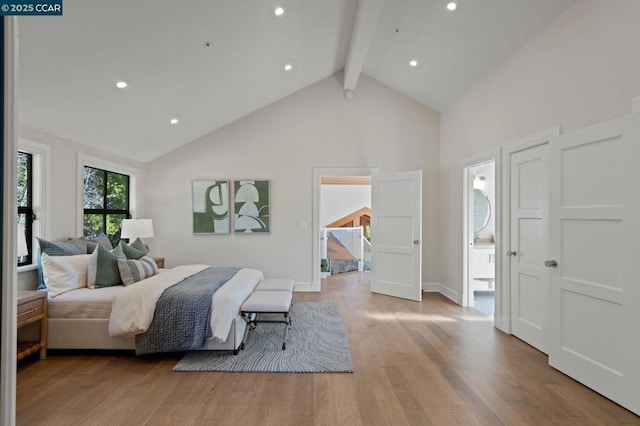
(275, 284)
(268, 301)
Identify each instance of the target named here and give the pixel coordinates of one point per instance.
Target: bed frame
(71, 333)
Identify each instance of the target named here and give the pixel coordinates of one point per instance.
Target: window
(25, 202)
(105, 202)
(33, 195)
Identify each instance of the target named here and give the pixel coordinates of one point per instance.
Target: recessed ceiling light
(174, 121)
(452, 5)
(288, 67)
(413, 63)
(278, 11)
(121, 84)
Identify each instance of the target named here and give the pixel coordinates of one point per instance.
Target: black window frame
(104, 211)
(27, 211)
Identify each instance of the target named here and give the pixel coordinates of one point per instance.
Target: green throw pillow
(139, 245)
(102, 270)
(101, 239)
(67, 248)
(130, 252)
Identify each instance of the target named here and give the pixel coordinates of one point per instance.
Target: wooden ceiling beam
(345, 180)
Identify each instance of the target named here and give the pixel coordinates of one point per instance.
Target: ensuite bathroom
(483, 254)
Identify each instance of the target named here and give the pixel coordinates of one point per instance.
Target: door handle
(416, 242)
(512, 253)
(550, 263)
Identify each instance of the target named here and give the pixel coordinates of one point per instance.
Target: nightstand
(32, 307)
(159, 262)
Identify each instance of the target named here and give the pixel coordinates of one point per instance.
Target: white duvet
(132, 310)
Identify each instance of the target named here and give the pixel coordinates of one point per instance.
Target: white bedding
(83, 303)
(133, 308)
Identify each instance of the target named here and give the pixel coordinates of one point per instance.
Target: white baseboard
(302, 286)
(431, 287)
(502, 323)
(452, 295)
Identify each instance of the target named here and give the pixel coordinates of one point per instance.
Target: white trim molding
(302, 287)
(452, 295)
(531, 140)
(8, 320)
(502, 323)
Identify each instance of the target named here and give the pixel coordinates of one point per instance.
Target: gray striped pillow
(132, 271)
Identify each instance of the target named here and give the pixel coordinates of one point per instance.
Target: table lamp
(137, 228)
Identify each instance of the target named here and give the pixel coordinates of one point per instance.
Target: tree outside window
(106, 202)
(25, 201)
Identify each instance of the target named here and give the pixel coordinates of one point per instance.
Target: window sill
(26, 268)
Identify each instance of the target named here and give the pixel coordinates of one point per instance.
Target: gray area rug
(316, 344)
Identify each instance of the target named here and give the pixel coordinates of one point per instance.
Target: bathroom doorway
(480, 193)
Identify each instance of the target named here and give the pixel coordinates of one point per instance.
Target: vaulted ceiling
(210, 62)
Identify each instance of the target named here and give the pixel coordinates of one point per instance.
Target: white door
(396, 231)
(528, 245)
(595, 258)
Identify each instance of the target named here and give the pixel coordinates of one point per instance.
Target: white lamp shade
(22, 250)
(137, 228)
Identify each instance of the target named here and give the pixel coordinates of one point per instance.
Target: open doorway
(342, 199)
(480, 236)
(345, 221)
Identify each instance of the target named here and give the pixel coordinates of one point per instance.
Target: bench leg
(246, 331)
(287, 326)
(252, 321)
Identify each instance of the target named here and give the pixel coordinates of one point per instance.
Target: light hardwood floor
(429, 363)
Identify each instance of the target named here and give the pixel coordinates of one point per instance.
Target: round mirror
(481, 210)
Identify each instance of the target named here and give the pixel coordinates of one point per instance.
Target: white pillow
(64, 273)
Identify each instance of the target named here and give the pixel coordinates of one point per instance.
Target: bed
(80, 319)
(115, 316)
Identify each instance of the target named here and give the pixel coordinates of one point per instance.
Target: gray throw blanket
(183, 313)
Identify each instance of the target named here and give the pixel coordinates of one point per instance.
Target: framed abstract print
(251, 206)
(211, 206)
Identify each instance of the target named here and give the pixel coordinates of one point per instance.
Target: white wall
(63, 210)
(315, 127)
(338, 201)
(582, 69)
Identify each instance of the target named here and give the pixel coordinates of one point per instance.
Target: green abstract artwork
(211, 207)
(251, 206)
